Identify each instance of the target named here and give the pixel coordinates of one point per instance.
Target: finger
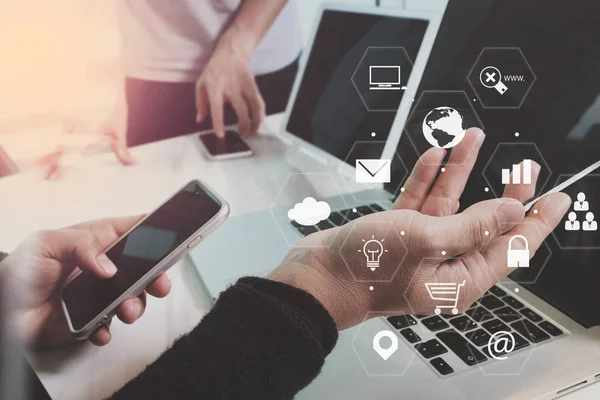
(102, 336)
(118, 145)
(523, 192)
(160, 287)
(458, 234)
(132, 309)
(78, 248)
(202, 103)
(109, 229)
(216, 110)
(241, 110)
(446, 191)
(535, 228)
(420, 180)
(257, 108)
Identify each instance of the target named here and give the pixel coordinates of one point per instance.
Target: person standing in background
(191, 65)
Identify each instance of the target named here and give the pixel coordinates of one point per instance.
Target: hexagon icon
(304, 204)
(443, 297)
(440, 119)
(506, 343)
(370, 172)
(379, 349)
(501, 77)
(508, 165)
(381, 77)
(372, 250)
(579, 228)
(507, 350)
(518, 251)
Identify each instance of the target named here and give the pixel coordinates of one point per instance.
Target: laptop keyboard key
(431, 348)
(337, 218)
(435, 323)
(479, 337)
(463, 349)
(514, 303)
(350, 214)
(376, 207)
(324, 225)
(365, 210)
(507, 314)
(463, 323)
(533, 316)
(551, 329)
(497, 291)
(441, 366)
(306, 230)
(410, 335)
(495, 325)
(480, 314)
(402, 321)
(530, 331)
(491, 302)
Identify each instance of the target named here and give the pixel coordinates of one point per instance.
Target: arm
(227, 77)
(262, 340)
(252, 22)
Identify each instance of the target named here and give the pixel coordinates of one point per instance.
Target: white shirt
(172, 40)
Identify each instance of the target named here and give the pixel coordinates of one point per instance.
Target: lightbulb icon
(373, 250)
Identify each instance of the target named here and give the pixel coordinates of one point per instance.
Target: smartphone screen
(232, 143)
(86, 296)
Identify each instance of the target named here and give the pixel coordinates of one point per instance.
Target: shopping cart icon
(447, 292)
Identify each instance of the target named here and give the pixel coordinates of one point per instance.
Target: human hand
(112, 132)
(227, 78)
(36, 271)
(425, 212)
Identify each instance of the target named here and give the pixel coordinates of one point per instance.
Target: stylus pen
(566, 183)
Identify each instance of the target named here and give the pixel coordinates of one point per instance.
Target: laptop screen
(557, 121)
(354, 80)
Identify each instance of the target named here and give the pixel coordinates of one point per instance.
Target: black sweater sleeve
(262, 340)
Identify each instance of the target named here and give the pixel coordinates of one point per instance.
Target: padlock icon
(518, 258)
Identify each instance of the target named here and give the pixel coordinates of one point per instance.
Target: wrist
(238, 42)
(344, 299)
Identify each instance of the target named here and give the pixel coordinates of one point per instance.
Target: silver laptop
(336, 120)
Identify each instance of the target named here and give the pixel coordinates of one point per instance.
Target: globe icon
(443, 127)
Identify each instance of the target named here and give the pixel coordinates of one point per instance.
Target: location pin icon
(385, 353)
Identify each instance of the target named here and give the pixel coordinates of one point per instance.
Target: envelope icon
(373, 171)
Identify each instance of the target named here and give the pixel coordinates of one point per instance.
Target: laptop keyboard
(464, 335)
(467, 335)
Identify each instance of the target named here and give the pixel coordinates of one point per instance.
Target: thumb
(475, 227)
(78, 248)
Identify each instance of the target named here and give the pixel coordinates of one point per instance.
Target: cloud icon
(309, 212)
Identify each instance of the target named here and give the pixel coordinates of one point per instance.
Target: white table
(99, 187)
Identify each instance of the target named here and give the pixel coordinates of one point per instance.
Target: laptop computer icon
(384, 77)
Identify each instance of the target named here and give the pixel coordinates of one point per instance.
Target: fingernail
(198, 118)
(510, 214)
(106, 265)
(480, 138)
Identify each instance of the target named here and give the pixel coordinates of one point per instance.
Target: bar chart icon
(519, 175)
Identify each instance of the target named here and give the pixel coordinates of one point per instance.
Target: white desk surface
(99, 187)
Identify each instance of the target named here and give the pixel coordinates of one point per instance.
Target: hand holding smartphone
(149, 248)
(230, 147)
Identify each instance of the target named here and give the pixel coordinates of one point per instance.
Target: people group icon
(590, 223)
(581, 205)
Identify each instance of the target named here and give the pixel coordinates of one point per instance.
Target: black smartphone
(149, 248)
(231, 146)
